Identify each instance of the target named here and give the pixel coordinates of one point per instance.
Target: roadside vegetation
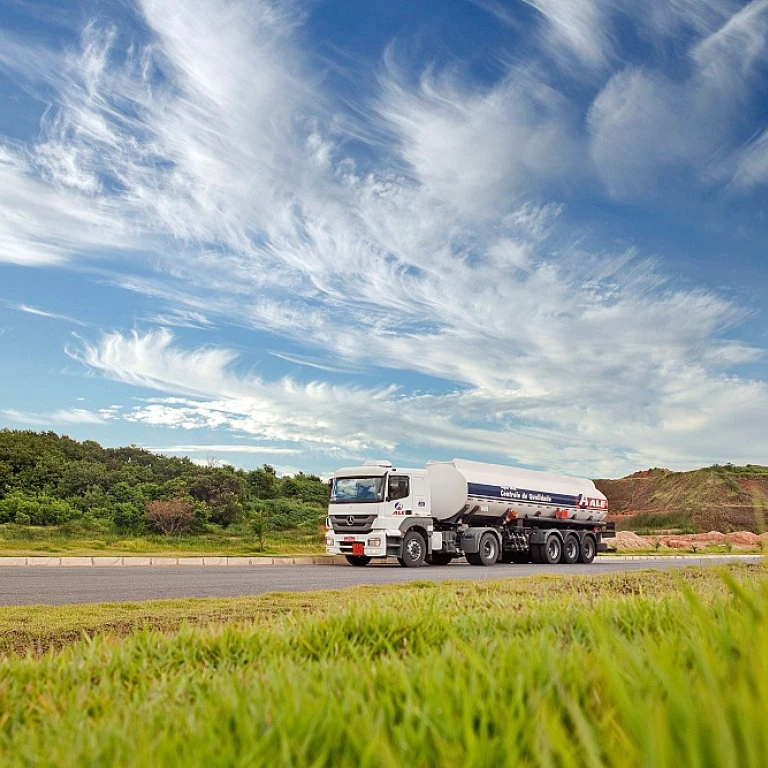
(60, 495)
(649, 669)
(64, 497)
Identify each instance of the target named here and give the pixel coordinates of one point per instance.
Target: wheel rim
(589, 548)
(553, 549)
(571, 549)
(489, 549)
(413, 549)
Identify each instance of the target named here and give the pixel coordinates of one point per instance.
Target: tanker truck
(484, 512)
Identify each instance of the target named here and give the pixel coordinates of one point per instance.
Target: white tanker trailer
(484, 512)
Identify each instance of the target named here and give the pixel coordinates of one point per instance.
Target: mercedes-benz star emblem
(351, 520)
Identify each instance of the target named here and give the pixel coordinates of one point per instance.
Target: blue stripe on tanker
(524, 495)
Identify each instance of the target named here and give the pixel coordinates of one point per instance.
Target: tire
(439, 558)
(536, 556)
(488, 551)
(587, 550)
(551, 550)
(414, 550)
(358, 560)
(571, 550)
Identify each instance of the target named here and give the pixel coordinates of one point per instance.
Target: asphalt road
(72, 584)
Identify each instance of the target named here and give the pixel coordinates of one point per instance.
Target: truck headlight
(328, 541)
(374, 542)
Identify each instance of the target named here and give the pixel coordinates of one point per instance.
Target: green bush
(54, 480)
(287, 514)
(127, 517)
(681, 521)
(39, 510)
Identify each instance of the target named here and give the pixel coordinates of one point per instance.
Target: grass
(649, 669)
(22, 541)
(710, 549)
(644, 522)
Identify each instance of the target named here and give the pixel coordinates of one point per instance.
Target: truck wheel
(588, 550)
(551, 550)
(488, 551)
(439, 558)
(359, 560)
(414, 550)
(536, 554)
(571, 549)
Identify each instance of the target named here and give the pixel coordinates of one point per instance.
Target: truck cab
(371, 510)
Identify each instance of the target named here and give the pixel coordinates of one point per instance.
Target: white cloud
(647, 126)
(582, 408)
(212, 449)
(42, 225)
(579, 26)
(50, 315)
(55, 418)
(751, 163)
(472, 148)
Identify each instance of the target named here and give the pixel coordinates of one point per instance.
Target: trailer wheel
(414, 550)
(359, 560)
(588, 550)
(571, 550)
(488, 551)
(536, 557)
(439, 558)
(551, 550)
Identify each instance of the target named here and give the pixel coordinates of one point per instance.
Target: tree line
(48, 479)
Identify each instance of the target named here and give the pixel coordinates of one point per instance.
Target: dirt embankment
(719, 498)
(739, 540)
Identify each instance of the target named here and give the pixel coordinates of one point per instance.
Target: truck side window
(399, 488)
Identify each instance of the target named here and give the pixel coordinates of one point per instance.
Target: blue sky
(313, 233)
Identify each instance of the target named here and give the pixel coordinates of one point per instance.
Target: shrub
(170, 517)
(127, 517)
(40, 510)
(222, 491)
(258, 527)
(287, 514)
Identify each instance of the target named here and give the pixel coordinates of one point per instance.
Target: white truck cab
(372, 507)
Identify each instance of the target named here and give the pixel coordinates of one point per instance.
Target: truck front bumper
(374, 544)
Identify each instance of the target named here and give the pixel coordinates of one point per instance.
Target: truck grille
(352, 523)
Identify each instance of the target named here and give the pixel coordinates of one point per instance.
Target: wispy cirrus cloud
(56, 418)
(244, 448)
(702, 117)
(50, 315)
(664, 408)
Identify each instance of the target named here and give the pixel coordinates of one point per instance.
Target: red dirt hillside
(719, 498)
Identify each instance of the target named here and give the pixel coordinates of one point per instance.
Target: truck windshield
(351, 490)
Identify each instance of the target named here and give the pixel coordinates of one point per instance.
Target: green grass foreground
(639, 669)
